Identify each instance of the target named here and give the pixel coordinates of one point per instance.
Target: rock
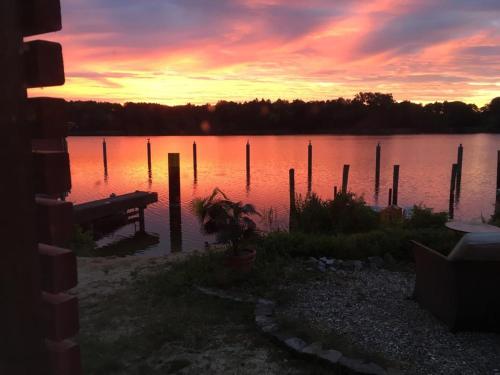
(313, 349)
(270, 328)
(262, 301)
(262, 321)
(329, 261)
(281, 336)
(265, 310)
(359, 367)
(295, 344)
(331, 356)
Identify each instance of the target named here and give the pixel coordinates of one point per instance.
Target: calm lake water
(425, 168)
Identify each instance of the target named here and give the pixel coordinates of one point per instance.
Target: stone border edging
(264, 318)
(267, 324)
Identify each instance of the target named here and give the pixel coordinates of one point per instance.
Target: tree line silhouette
(366, 113)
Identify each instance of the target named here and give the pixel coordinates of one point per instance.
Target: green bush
(82, 243)
(346, 213)
(395, 241)
(424, 217)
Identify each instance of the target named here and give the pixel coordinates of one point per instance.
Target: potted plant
(232, 225)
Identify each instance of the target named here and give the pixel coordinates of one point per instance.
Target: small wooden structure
(131, 205)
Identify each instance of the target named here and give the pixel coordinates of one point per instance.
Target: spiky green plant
(230, 221)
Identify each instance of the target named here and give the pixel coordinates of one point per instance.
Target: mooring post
(309, 166)
(497, 197)
(377, 168)
(334, 192)
(389, 202)
(498, 170)
(149, 156)
(395, 185)
(460, 156)
(345, 178)
(105, 156)
(291, 180)
(174, 194)
(142, 225)
(453, 182)
(195, 162)
(248, 162)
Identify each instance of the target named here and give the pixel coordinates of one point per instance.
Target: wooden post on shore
(345, 178)
(142, 226)
(460, 156)
(309, 166)
(395, 185)
(377, 168)
(335, 192)
(291, 180)
(148, 146)
(174, 193)
(497, 197)
(389, 202)
(195, 162)
(453, 183)
(105, 157)
(248, 162)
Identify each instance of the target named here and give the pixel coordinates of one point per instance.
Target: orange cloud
(178, 51)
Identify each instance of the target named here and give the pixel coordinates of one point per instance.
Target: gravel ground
(372, 309)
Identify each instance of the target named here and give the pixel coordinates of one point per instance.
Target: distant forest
(366, 113)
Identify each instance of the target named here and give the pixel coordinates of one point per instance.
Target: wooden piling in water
(497, 196)
(335, 192)
(248, 162)
(174, 193)
(105, 157)
(377, 167)
(498, 170)
(142, 225)
(309, 166)
(345, 178)
(395, 185)
(291, 180)
(389, 202)
(195, 162)
(453, 184)
(460, 156)
(148, 146)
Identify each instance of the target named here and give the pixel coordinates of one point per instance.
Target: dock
(129, 206)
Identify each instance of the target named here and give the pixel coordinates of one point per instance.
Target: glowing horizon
(180, 51)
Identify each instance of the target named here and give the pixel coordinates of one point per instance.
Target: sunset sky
(202, 51)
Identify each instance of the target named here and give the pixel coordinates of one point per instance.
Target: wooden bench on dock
(131, 205)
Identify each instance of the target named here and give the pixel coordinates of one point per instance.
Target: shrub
(424, 217)
(395, 241)
(346, 213)
(350, 214)
(82, 243)
(230, 221)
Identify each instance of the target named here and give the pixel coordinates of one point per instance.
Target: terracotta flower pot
(242, 262)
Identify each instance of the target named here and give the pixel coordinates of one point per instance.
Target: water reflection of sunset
(425, 171)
